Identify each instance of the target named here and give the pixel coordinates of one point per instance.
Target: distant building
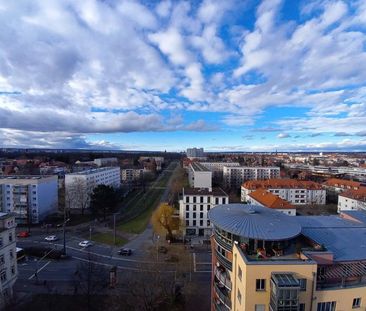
(340, 185)
(8, 258)
(195, 153)
(80, 185)
(199, 176)
(267, 199)
(132, 174)
(193, 208)
(106, 162)
(30, 198)
(352, 200)
(217, 168)
(291, 190)
(235, 176)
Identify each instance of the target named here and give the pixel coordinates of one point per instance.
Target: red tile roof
(281, 184)
(342, 183)
(270, 200)
(359, 194)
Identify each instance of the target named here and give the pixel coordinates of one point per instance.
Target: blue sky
(167, 75)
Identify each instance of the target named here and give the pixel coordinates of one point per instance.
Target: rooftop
(337, 182)
(359, 194)
(205, 191)
(255, 222)
(270, 200)
(281, 184)
(94, 170)
(199, 167)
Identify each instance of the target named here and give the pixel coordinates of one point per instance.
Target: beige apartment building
(264, 260)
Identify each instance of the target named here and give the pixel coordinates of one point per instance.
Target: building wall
(47, 199)
(287, 211)
(347, 204)
(235, 176)
(199, 179)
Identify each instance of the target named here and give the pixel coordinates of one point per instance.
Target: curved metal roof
(254, 221)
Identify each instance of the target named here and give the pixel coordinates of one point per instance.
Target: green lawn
(136, 225)
(107, 238)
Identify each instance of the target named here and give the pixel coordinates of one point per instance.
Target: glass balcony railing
(223, 295)
(223, 243)
(224, 278)
(223, 260)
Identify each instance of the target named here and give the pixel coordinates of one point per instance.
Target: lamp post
(157, 248)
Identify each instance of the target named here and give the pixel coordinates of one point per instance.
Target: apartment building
(199, 176)
(195, 153)
(352, 200)
(267, 199)
(30, 198)
(194, 206)
(8, 257)
(291, 190)
(338, 185)
(80, 185)
(264, 260)
(217, 168)
(106, 162)
(132, 174)
(235, 176)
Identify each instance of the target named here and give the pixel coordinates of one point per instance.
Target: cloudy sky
(149, 75)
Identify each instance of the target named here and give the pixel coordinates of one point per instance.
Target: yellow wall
(343, 297)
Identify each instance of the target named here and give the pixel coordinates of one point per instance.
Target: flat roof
(254, 221)
(95, 170)
(285, 280)
(199, 167)
(205, 191)
(29, 177)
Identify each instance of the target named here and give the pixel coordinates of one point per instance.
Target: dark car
(125, 252)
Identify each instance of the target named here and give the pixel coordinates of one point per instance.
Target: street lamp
(157, 248)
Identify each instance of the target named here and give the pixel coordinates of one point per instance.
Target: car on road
(86, 243)
(23, 234)
(51, 238)
(125, 252)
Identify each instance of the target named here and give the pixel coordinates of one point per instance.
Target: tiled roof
(281, 184)
(359, 194)
(270, 200)
(342, 183)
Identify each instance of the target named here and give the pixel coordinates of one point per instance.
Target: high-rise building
(194, 153)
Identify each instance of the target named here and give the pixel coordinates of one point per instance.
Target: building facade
(352, 200)
(8, 257)
(264, 260)
(130, 175)
(195, 153)
(217, 168)
(194, 206)
(294, 191)
(199, 176)
(30, 198)
(106, 162)
(80, 185)
(235, 176)
(338, 185)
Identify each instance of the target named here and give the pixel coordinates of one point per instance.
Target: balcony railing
(223, 278)
(223, 260)
(220, 306)
(222, 296)
(222, 243)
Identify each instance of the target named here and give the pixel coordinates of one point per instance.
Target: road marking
(39, 270)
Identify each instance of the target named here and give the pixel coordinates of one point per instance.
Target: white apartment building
(129, 175)
(80, 185)
(194, 153)
(352, 200)
(193, 208)
(217, 168)
(199, 176)
(235, 176)
(8, 257)
(291, 190)
(30, 198)
(106, 162)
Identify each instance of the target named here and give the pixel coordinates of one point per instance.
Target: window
(208, 207)
(326, 306)
(2, 259)
(216, 200)
(1, 242)
(201, 207)
(10, 237)
(194, 222)
(239, 296)
(201, 222)
(356, 303)
(240, 273)
(187, 223)
(223, 200)
(201, 198)
(260, 285)
(201, 215)
(11, 254)
(302, 284)
(3, 276)
(302, 307)
(187, 207)
(208, 223)
(13, 270)
(187, 199)
(260, 307)
(194, 215)
(208, 199)
(194, 207)
(194, 199)
(187, 215)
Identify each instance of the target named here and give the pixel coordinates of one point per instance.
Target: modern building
(352, 200)
(265, 260)
(267, 199)
(8, 257)
(194, 206)
(199, 176)
(291, 190)
(131, 175)
(80, 185)
(195, 153)
(30, 198)
(235, 176)
(106, 162)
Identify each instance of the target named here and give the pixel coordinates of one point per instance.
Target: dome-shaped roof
(254, 221)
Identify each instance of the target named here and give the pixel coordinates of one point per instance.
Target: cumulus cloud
(283, 135)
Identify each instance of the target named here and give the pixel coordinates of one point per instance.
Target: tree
(163, 219)
(103, 200)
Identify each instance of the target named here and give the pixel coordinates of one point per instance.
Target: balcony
(223, 260)
(224, 278)
(219, 306)
(222, 242)
(223, 295)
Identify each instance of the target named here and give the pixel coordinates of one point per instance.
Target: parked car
(125, 252)
(23, 234)
(86, 243)
(163, 250)
(51, 238)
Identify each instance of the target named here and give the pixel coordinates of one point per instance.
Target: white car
(51, 238)
(86, 243)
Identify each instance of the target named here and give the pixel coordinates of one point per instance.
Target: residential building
(106, 162)
(291, 190)
(195, 153)
(217, 168)
(352, 200)
(265, 260)
(235, 176)
(159, 161)
(199, 176)
(8, 257)
(339, 185)
(194, 206)
(30, 198)
(267, 199)
(132, 174)
(80, 185)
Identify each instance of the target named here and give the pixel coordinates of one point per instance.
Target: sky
(167, 75)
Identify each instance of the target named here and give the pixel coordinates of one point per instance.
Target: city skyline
(222, 75)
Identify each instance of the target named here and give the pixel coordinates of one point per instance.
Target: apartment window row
(194, 207)
(194, 223)
(326, 306)
(197, 200)
(194, 214)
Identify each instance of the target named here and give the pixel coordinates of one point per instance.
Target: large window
(260, 285)
(326, 306)
(302, 284)
(356, 303)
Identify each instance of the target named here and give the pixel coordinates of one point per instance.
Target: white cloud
(283, 135)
